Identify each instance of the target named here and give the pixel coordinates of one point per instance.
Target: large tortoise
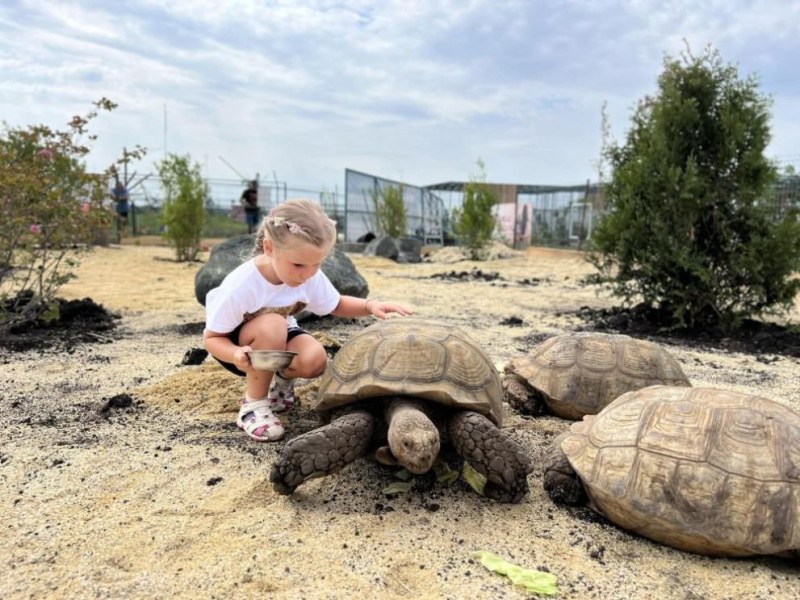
(424, 378)
(705, 470)
(577, 374)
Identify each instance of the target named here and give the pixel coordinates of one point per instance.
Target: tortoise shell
(580, 373)
(413, 357)
(705, 470)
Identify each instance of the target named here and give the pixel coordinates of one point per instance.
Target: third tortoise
(577, 374)
(704, 470)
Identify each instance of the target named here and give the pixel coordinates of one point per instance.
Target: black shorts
(234, 337)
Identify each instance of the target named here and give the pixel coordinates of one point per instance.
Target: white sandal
(281, 393)
(258, 421)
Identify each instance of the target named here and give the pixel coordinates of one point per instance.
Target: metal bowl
(270, 360)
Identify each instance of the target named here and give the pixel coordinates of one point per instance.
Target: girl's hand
(241, 359)
(380, 309)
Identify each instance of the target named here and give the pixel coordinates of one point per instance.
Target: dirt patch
(73, 322)
(753, 337)
(472, 275)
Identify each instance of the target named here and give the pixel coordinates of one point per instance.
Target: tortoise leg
(520, 396)
(322, 451)
(493, 454)
(561, 482)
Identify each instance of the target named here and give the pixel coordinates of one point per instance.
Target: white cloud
(420, 88)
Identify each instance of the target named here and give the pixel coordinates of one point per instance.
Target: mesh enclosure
(425, 212)
(527, 215)
(556, 216)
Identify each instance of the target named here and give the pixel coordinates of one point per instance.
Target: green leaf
(475, 480)
(53, 312)
(404, 475)
(444, 473)
(398, 487)
(536, 582)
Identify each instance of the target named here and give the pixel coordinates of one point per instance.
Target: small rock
(194, 356)
(118, 401)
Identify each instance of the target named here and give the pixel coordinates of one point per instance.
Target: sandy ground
(168, 499)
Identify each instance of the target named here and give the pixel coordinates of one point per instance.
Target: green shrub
(474, 223)
(390, 211)
(51, 211)
(689, 232)
(185, 194)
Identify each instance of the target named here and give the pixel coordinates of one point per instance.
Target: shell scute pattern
(352, 363)
(468, 370)
(404, 359)
(580, 373)
(705, 470)
(407, 357)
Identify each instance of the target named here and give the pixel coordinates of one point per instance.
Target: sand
(166, 498)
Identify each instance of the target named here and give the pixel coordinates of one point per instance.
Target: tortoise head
(521, 395)
(413, 438)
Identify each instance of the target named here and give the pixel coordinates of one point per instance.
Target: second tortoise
(577, 374)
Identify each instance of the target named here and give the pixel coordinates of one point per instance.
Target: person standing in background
(249, 201)
(120, 195)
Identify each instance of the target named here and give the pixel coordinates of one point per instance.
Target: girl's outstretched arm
(350, 306)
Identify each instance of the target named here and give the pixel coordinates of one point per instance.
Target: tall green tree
(690, 232)
(185, 193)
(474, 223)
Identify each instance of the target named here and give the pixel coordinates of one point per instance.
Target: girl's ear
(267, 247)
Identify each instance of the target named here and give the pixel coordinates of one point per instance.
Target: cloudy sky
(413, 90)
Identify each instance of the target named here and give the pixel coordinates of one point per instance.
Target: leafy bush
(185, 193)
(51, 210)
(474, 222)
(689, 232)
(390, 211)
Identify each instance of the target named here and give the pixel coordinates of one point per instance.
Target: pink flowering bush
(51, 210)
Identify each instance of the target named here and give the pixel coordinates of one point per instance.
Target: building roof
(524, 188)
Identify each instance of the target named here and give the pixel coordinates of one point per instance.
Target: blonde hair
(296, 220)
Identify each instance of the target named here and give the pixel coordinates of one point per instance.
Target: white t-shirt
(245, 293)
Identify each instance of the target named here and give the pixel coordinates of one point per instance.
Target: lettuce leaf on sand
(476, 480)
(536, 582)
(398, 487)
(404, 475)
(444, 474)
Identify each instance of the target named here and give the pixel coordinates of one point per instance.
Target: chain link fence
(426, 217)
(536, 215)
(224, 213)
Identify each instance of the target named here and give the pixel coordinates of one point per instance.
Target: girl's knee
(320, 364)
(311, 364)
(265, 332)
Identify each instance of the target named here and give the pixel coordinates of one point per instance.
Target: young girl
(253, 309)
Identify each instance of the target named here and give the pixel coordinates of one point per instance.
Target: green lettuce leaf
(536, 582)
(398, 487)
(444, 473)
(404, 474)
(475, 480)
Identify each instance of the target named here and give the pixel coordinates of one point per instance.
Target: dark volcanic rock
(231, 253)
